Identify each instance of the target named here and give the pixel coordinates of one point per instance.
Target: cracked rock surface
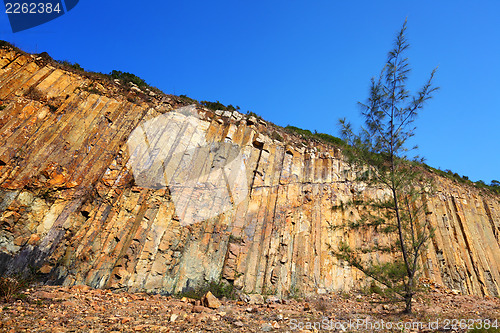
(71, 210)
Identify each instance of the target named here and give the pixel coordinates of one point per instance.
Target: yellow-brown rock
(210, 301)
(69, 203)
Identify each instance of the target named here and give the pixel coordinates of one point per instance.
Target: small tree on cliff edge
(379, 152)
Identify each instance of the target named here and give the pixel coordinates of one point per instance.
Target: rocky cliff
(73, 209)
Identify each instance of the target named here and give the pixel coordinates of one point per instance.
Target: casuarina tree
(380, 156)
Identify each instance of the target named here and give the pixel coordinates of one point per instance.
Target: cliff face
(75, 208)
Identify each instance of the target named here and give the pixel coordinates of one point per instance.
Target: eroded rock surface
(71, 210)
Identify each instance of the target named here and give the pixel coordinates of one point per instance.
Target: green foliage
(48, 194)
(45, 56)
(380, 222)
(372, 288)
(339, 206)
(219, 289)
(365, 221)
(375, 289)
(344, 294)
(329, 139)
(450, 175)
(69, 65)
(127, 78)
(492, 187)
(344, 249)
(299, 131)
(380, 155)
(188, 100)
(92, 89)
(389, 229)
(276, 136)
(253, 114)
(132, 99)
(267, 291)
(322, 137)
(382, 204)
(214, 106)
(295, 293)
(2, 107)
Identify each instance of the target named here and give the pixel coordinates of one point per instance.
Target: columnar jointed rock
(69, 205)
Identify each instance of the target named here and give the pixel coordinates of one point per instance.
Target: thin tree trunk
(408, 299)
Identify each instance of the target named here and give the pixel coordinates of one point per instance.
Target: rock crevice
(72, 208)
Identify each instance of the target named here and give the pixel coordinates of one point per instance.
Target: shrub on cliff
(127, 78)
(214, 106)
(323, 137)
(379, 154)
(69, 65)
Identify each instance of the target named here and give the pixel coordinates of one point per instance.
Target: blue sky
(303, 63)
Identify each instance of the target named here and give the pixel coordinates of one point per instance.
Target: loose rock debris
(83, 309)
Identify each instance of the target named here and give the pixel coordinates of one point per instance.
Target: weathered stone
(321, 291)
(69, 201)
(45, 269)
(210, 301)
(267, 327)
(273, 299)
(255, 299)
(251, 120)
(237, 116)
(198, 309)
(82, 287)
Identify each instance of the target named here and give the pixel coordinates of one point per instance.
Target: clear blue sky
(303, 63)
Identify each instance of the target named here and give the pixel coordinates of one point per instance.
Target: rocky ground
(82, 309)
